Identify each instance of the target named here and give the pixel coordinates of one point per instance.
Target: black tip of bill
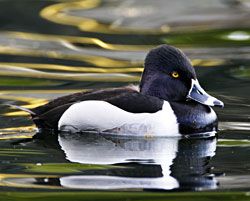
(198, 94)
(218, 103)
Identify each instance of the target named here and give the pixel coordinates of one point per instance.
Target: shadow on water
(55, 47)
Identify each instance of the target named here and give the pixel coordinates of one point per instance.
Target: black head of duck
(169, 75)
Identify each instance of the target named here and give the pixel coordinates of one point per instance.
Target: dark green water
(52, 48)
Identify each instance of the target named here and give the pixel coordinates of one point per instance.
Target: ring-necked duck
(169, 101)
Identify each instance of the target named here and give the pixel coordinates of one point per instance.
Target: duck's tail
(42, 125)
(23, 109)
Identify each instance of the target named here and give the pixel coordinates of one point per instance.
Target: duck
(169, 101)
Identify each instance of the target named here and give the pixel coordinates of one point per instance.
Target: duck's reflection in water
(140, 163)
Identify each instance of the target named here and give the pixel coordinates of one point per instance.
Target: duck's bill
(198, 94)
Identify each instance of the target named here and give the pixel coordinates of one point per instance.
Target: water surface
(52, 48)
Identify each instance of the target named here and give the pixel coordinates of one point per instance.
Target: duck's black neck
(194, 117)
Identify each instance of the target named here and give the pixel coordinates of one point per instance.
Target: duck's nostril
(199, 92)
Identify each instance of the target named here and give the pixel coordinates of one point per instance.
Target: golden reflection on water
(104, 70)
(19, 131)
(207, 62)
(57, 13)
(76, 39)
(29, 102)
(94, 60)
(63, 68)
(101, 76)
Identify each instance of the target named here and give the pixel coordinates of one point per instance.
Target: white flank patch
(102, 116)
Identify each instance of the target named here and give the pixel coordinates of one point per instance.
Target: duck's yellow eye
(175, 74)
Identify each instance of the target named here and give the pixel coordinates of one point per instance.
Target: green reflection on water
(21, 82)
(60, 168)
(18, 152)
(209, 38)
(230, 142)
(241, 72)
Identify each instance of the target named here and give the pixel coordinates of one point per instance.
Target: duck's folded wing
(136, 102)
(128, 100)
(80, 96)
